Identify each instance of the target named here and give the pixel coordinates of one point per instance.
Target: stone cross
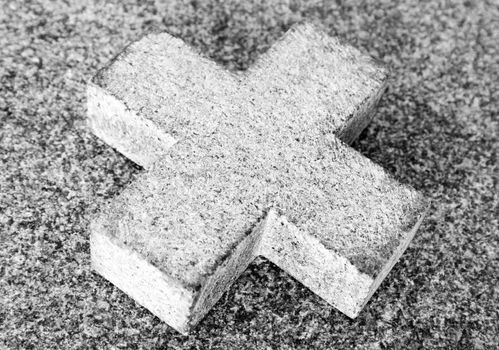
(242, 165)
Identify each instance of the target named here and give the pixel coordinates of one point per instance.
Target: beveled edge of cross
(255, 244)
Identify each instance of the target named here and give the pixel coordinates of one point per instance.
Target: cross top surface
(241, 165)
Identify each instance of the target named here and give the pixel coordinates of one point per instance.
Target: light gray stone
(241, 165)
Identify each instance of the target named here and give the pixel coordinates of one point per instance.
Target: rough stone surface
(435, 129)
(245, 144)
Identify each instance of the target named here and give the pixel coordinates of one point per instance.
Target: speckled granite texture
(435, 129)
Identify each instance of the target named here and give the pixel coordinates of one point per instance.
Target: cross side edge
(183, 307)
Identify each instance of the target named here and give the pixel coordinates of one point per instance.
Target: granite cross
(242, 165)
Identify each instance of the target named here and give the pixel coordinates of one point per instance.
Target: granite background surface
(436, 128)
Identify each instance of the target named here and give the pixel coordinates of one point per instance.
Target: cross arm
(318, 74)
(336, 223)
(158, 90)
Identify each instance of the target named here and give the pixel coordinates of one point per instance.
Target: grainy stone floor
(436, 129)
